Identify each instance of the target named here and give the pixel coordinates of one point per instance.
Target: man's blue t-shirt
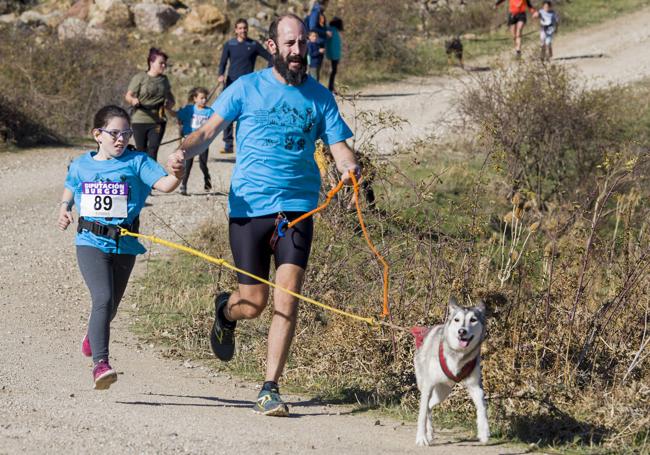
(192, 117)
(137, 170)
(277, 127)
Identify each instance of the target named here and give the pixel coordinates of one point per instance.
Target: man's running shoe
(207, 185)
(103, 375)
(270, 403)
(222, 335)
(226, 151)
(85, 347)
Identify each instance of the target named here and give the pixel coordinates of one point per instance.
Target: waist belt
(106, 230)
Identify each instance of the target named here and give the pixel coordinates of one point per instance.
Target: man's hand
(176, 163)
(350, 168)
(221, 79)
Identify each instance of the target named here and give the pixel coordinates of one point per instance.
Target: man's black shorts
(251, 249)
(513, 19)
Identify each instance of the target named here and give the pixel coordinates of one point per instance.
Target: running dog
(446, 355)
(454, 47)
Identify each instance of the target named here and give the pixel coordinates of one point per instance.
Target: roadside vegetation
(383, 41)
(562, 259)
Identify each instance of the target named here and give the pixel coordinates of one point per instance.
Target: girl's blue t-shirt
(137, 170)
(192, 117)
(277, 127)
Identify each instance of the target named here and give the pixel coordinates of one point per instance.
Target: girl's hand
(65, 218)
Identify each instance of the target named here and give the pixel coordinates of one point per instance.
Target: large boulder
(8, 18)
(73, 28)
(154, 18)
(206, 19)
(33, 18)
(110, 14)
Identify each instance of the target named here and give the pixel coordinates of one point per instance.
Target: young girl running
(190, 118)
(109, 187)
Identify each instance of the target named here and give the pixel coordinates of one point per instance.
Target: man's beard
(282, 66)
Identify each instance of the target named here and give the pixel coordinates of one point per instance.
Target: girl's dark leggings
(335, 67)
(106, 276)
(203, 164)
(148, 136)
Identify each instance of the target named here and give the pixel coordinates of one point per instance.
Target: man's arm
(198, 141)
(498, 2)
(264, 53)
(345, 161)
(225, 55)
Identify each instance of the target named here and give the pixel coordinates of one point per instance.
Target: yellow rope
(222, 262)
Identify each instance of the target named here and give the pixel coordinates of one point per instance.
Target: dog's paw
(422, 440)
(484, 437)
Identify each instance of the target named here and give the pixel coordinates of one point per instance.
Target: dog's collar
(464, 372)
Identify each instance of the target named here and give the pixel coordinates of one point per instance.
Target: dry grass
(566, 359)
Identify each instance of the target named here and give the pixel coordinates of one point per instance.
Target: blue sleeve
(263, 53)
(150, 171)
(72, 179)
(229, 104)
(224, 58)
(334, 128)
(182, 115)
(313, 17)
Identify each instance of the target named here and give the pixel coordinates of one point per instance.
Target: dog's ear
(453, 306)
(481, 306)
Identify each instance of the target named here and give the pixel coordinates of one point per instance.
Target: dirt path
(163, 406)
(612, 52)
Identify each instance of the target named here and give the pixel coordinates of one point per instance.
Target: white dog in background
(450, 354)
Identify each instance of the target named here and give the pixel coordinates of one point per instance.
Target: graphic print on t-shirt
(288, 118)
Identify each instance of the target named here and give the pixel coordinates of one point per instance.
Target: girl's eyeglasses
(115, 134)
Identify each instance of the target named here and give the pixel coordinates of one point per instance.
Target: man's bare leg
(283, 324)
(247, 302)
(519, 27)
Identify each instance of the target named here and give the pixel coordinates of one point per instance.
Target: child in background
(333, 49)
(315, 50)
(190, 118)
(548, 22)
(109, 186)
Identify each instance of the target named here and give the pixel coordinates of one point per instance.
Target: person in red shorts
(517, 19)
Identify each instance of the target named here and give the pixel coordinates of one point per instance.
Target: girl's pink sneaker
(103, 375)
(85, 347)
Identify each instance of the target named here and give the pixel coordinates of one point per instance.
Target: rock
(80, 9)
(8, 18)
(254, 22)
(54, 19)
(110, 13)
(32, 18)
(71, 28)
(206, 19)
(150, 17)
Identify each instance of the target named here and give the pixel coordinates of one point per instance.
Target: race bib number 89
(104, 199)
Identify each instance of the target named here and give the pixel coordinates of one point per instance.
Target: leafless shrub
(549, 132)
(60, 85)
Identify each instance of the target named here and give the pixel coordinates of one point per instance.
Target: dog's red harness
(464, 372)
(420, 333)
